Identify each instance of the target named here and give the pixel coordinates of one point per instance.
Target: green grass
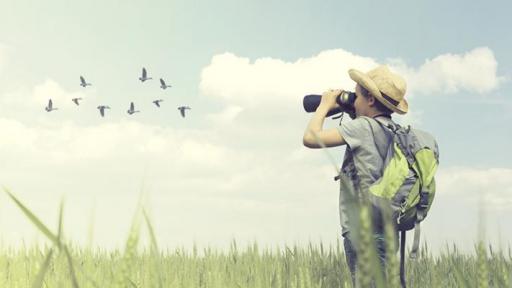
(314, 265)
(311, 266)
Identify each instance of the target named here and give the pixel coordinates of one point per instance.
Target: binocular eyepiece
(345, 100)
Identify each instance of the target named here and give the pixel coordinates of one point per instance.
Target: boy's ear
(371, 100)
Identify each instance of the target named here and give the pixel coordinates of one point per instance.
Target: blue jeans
(351, 254)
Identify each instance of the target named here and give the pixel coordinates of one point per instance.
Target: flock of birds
(144, 77)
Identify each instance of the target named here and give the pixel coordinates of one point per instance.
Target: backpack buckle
(423, 203)
(400, 215)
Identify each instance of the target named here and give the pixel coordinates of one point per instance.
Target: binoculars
(345, 100)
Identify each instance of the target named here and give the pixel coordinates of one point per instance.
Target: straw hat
(387, 87)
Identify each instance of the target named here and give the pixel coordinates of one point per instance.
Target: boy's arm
(314, 131)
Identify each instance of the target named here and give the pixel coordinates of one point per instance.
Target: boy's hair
(378, 105)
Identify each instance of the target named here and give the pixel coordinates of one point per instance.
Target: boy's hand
(329, 98)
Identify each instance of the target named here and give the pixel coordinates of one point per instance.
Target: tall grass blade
(461, 280)
(130, 251)
(90, 232)
(34, 219)
(154, 249)
(154, 244)
(392, 265)
(72, 273)
(59, 231)
(56, 239)
(483, 273)
(364, 248)
(39, 281)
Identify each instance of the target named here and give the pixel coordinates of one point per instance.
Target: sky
(235, 166)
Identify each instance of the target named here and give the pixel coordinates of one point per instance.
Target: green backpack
(407, 186)
(407, 183)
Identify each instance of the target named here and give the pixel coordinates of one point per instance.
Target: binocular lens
(346, 101)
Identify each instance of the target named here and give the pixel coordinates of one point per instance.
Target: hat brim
(365, 81)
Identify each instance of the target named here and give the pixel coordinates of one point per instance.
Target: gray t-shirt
(367, 145)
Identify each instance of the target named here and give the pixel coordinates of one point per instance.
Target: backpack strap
(390, 125)
(382, 126)
(421, 213)
(413, 254)
(402, 258)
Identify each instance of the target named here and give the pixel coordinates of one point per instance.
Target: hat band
(391, 100)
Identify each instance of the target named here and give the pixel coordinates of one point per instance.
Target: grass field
(311, 266)
(315, 265)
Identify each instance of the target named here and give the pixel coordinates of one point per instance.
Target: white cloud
(473, 71)
(470, 203)
(50, 89)
(68, 143)
(275, 88)
(218, 191)
(228, 115)
(492, 186)
(269, 81)
(24, 99)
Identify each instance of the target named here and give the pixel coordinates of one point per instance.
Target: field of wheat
(63, 264)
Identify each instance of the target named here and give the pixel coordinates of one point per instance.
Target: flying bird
(50, 106)
(132, 109)
(76, 100)
(83, 83)
(163, 85)
(157, 102)
(182, 110)
(144, 76)
(102, 109)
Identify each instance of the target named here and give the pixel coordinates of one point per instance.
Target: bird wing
(144, 73)
(132, 106)
(162, 82)
(82, 80)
